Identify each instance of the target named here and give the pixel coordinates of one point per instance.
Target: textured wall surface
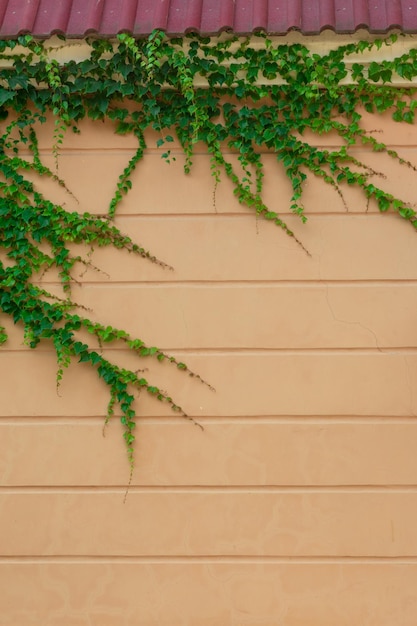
(297, 504)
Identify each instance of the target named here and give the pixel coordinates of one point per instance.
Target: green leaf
(6, 96)
(383, 204)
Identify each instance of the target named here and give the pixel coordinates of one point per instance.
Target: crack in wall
(351, 322)
(408, 380)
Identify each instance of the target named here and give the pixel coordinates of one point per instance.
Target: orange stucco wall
(297, 503)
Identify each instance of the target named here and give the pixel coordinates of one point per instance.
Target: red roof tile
(106, 18)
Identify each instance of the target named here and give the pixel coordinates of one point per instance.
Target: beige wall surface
(297, 503)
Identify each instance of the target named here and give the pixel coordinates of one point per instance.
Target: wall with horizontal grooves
(297, 503)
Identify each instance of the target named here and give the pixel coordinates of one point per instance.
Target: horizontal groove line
(207, 489)
(314, 420)
(220, 559)
(244, 215)
(178, 151)
(245, 351)
(249, 214)
(284, 283)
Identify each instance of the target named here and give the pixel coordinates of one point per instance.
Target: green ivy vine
(255, 97)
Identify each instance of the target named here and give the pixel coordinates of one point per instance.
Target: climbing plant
(246, 94)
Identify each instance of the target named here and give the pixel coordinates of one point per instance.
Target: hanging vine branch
(254, 97)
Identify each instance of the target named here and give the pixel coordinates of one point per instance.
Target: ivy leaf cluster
(224, 92)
